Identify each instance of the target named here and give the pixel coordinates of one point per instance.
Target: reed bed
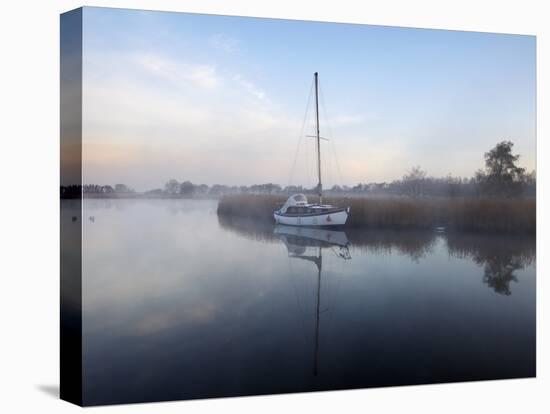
(464, 214)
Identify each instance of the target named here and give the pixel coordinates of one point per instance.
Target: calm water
(178, 304)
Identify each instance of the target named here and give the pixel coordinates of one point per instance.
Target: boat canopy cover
(294, 200)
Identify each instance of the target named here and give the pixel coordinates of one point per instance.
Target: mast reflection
(300, 241)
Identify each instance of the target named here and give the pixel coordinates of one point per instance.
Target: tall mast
(319, 185)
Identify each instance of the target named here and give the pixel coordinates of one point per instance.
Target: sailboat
(297, 211)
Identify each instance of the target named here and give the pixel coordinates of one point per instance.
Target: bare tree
(414, 181)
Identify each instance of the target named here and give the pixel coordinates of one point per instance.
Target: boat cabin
(298, 204)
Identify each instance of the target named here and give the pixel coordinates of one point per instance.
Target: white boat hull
(338, 218)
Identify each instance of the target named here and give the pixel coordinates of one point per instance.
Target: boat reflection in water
(306, 243)
(298, 239)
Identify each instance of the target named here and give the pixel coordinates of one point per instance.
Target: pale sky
(215, 99)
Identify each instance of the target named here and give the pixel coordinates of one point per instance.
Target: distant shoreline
(164, 196)
(144, 196)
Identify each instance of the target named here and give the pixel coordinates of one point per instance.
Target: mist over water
(178, 303)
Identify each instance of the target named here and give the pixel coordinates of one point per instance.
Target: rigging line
(301, 134)
(330, 134)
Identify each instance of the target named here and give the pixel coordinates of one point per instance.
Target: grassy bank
(469, 214)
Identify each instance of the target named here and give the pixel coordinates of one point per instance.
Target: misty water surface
(178, 303)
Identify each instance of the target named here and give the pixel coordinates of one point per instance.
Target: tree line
(501, 177)
(74, 191)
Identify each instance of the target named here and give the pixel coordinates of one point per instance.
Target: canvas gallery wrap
(260, 206)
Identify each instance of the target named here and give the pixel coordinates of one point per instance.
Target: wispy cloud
(251, 88)
(202, 75)
(224, 42)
